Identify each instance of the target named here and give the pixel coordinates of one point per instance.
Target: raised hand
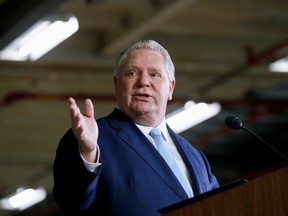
(85, 129)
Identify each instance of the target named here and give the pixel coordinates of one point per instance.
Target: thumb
(89, 109)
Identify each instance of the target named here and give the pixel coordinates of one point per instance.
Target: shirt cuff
(92, 167)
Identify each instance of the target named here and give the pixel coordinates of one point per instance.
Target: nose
(144, 80)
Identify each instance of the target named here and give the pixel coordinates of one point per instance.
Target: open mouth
(142, 96)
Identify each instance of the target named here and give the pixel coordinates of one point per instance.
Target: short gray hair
(146, 44)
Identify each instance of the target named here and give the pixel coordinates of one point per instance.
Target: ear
(171, 89)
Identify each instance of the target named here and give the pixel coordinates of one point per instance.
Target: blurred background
(222, 50)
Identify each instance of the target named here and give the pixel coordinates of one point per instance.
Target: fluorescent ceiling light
(39, 39)
(23, 199)
(191, 114)
(280, 65)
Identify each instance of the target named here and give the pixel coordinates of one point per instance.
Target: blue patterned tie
(155, 133)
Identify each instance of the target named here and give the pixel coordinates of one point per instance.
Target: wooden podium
(265, 195)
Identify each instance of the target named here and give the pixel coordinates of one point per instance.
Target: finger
(89, 109)
(71, 100)
(75, 113)
(74, 109)
(72, 104)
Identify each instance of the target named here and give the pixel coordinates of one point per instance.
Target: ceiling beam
(160, 17)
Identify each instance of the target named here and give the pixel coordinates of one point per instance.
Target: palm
(89, 134)
(84, 125)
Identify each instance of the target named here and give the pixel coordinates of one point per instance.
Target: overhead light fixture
(23, 199)
(191, 114)
(280, 65)
(40, 38)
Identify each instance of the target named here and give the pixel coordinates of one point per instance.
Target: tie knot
(155, 132)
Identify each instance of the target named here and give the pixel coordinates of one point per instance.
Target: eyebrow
(149, 68)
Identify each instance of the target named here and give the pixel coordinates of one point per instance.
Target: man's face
(143, 88)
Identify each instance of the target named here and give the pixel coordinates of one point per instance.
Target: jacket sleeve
(74, 186)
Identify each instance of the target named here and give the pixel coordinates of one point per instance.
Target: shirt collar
(162, 126)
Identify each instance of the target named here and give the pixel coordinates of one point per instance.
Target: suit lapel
(132, 136)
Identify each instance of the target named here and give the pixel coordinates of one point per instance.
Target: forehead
(144, 56)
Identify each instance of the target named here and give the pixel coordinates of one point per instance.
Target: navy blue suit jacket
(133, 179)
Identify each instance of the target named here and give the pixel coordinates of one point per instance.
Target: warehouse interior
(221, 50)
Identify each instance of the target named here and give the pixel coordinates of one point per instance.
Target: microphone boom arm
(250, 132)
(236, 124)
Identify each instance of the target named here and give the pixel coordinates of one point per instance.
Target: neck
(145, 119)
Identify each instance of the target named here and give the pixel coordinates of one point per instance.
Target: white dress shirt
(172, 148)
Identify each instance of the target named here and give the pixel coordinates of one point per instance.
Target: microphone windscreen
(233, 122)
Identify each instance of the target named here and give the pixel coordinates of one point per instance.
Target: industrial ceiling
(221, 50)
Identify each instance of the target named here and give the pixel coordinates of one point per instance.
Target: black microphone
(236, 124)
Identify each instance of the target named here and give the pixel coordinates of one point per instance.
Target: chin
(143, 110)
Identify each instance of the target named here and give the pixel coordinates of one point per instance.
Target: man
(112, 166)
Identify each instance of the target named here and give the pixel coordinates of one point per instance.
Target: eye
(131, 73)
(156, 74)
